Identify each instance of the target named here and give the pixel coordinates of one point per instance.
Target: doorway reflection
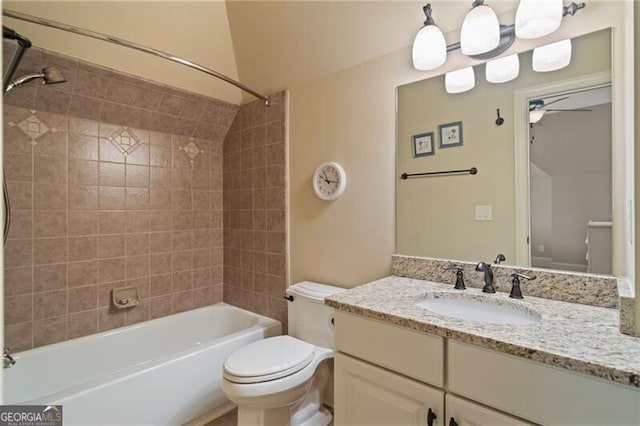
(570, 181)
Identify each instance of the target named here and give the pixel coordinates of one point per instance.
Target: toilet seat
(268, 359)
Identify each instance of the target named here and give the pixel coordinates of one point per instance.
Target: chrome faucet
(488, 277)
(8, 359)
(499, 259)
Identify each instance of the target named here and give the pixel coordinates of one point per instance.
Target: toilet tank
(309, 318)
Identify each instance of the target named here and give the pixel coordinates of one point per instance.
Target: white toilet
(281, 380)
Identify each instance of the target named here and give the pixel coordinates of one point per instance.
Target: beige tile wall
(255, 251)
(87, 218)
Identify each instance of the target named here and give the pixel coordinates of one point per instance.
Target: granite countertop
(581, 338)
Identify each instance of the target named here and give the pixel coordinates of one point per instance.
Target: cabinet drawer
(466, 413)
(412, 353)
(368, 395)
(538, 392)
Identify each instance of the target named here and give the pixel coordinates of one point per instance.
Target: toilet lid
(268, 359)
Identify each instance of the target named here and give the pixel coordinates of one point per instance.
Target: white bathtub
(164, 371)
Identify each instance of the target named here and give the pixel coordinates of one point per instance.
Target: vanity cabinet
(370, 395)
(461, 412)
(388, 374)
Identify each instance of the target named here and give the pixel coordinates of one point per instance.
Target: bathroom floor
(231, 419)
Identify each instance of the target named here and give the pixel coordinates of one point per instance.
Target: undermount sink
(484, 311)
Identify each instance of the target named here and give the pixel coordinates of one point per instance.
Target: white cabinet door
(461, 412)
(538, 392)
(369, 395)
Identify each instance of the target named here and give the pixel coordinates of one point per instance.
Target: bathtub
(163, 371)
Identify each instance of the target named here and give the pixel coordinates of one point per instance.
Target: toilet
(281, 380)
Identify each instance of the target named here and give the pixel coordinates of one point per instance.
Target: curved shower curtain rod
(135, 46)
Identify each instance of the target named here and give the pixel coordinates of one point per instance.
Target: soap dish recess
(123, 298)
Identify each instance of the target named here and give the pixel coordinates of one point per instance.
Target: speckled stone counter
(582, 338)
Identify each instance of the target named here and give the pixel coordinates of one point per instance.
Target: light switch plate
(483, 212)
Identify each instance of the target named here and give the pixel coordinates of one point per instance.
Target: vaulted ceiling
(267, 45)
(280, 44)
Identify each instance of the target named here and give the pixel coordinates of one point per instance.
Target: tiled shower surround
(114, 182)
(254, 209)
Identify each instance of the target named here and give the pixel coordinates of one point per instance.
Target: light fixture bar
(508, 35)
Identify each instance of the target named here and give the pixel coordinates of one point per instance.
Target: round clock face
(329, 181)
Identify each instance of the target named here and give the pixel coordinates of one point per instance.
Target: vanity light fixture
(480, 32)
(538, 18)
(552, 57)
(429, 46)
(503, 69)
(478, 37)
(460, 80)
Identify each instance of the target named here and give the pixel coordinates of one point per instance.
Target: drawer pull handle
(431, 416)
(453, 422)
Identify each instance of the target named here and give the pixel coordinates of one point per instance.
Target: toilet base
(298, 406)
(321, 418)
(281, 417)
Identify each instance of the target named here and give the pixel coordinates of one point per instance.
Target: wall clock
(329, 181)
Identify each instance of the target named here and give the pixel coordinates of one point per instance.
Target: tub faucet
(8, 359)
(488, 277)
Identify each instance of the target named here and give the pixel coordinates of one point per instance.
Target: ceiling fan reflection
(538, 107)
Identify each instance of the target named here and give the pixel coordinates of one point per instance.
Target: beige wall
(435, 215)
(195, 30)
(349, 117)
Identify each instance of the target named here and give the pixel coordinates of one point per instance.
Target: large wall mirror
(556, 173)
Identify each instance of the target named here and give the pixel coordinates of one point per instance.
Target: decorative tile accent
(192, 150)
(33, 127)
(125, 140)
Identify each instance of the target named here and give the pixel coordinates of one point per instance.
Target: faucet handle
(517, 276)
(516, 292)
(459, 275)
(450, 266)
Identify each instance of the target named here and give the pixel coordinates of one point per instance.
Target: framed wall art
(422, 144)
(450, 134)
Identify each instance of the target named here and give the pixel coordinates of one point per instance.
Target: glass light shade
(429, 48)
(535, 115)
(460, 81)
(538, 18)
(503, 69)
(480, 31)
(552, 56)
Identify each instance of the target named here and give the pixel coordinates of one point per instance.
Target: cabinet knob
(431, 416)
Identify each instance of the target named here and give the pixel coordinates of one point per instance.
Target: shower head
(52, 75)
(49, 75)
